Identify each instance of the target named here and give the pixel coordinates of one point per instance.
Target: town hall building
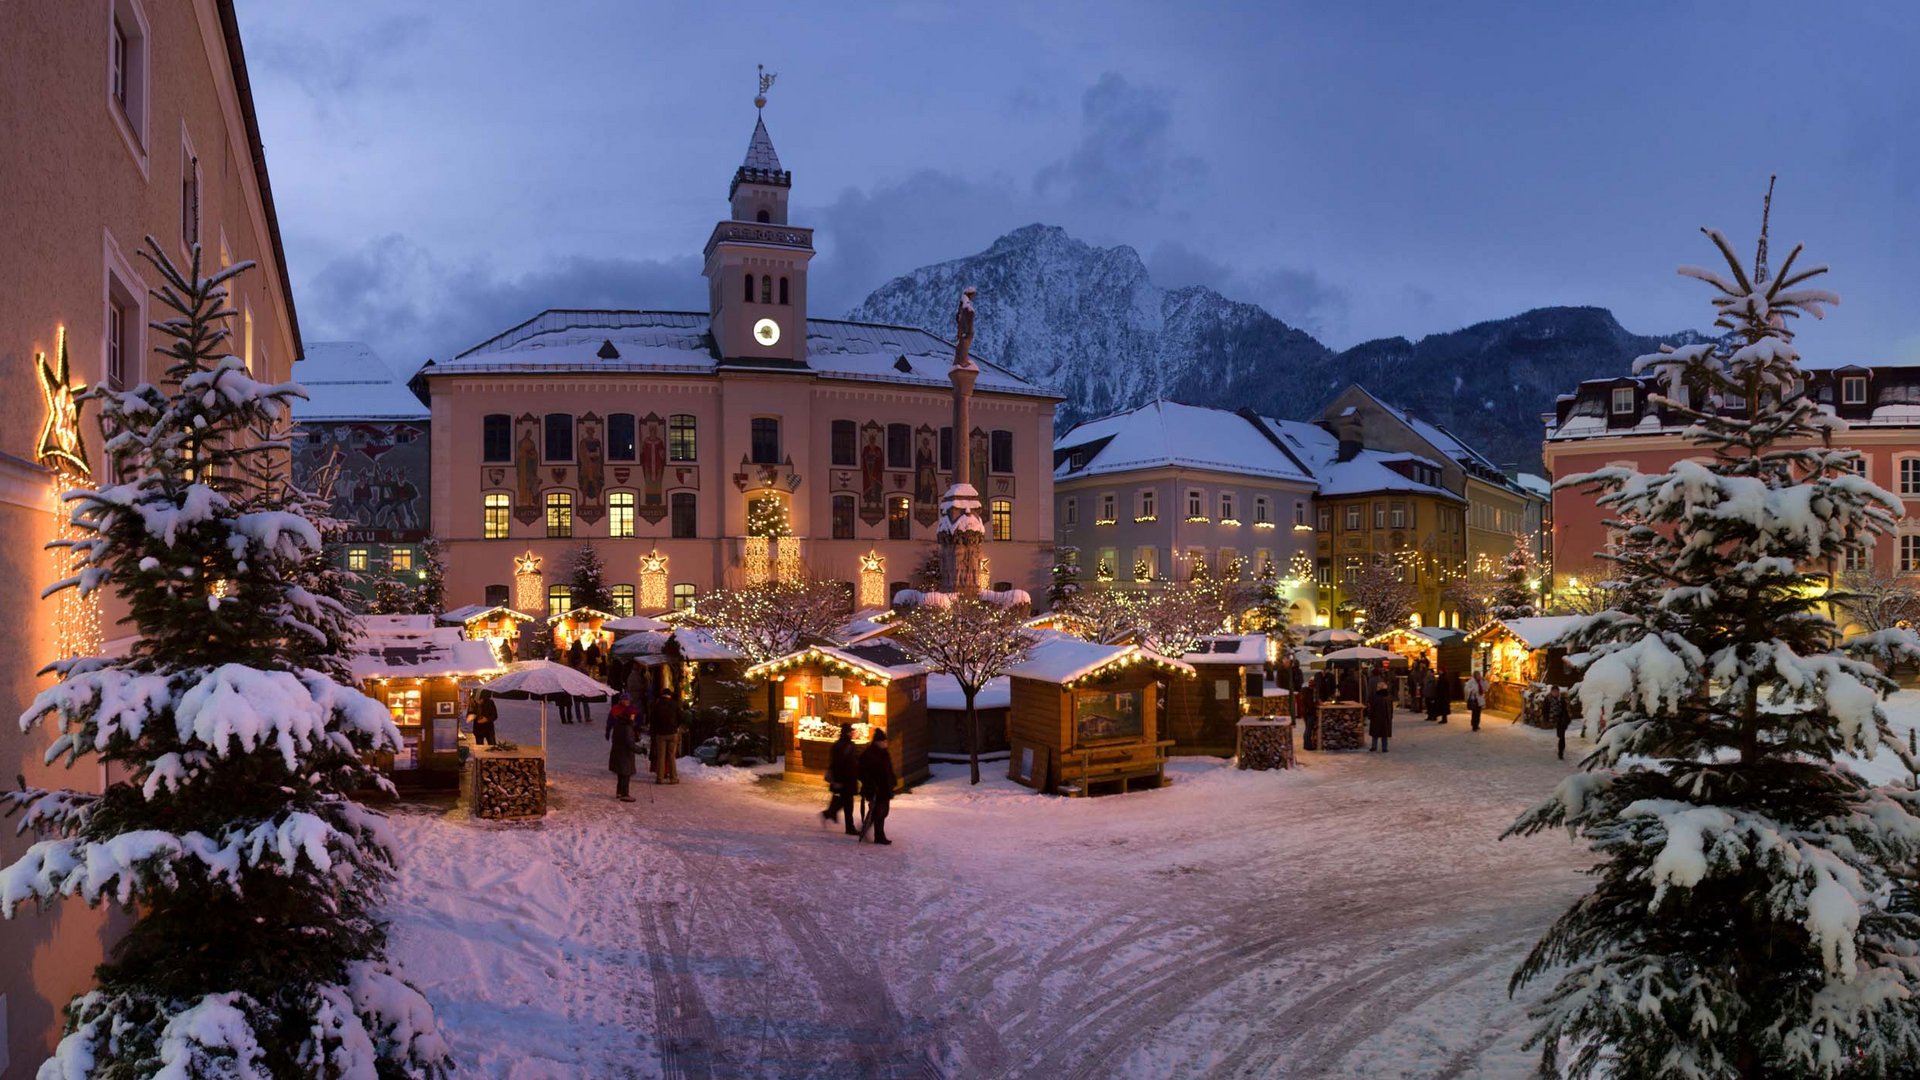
(706, 449)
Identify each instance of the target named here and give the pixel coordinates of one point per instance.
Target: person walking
(1476, 695)
(1555, 709)
(594, 658)
(1436, 694)
(485, 713)
(621, 718)
(1380, 718)
(843, 780)
(876, 787)
(1417, 684)
(564, 702)
(663, 722)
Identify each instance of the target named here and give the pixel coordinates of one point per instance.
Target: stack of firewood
(1265, 744)
(508, 787)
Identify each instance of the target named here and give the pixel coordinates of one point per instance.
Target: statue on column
(961, 532)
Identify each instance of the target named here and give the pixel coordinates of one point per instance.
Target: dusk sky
(444, 171)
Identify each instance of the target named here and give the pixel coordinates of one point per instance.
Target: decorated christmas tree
(433, 576)
(232, 744)
(589, 580)
(1751, 915)
(1513, 597)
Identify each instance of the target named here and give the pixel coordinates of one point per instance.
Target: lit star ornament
(526, 564)
(61, 447)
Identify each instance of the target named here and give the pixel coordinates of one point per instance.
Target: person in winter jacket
(576, 656)
(1310, 716)
(484, 713)
(1380, 718)
(1555, 709)
(843, 779)
(876, 787)
(1349, 686)
(663, 722)
(1476, 696)
(621, 733)
(1437, 696)
(1417, 682)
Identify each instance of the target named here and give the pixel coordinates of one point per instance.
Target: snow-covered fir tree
(1513, 597)
(394, 596)
(588, 579)
(433, 577)
(1063, 581)
(233, 743)
(1747, 918)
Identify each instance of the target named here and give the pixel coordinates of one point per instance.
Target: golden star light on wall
(61, 447)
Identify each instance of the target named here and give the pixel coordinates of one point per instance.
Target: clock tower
(756, 263)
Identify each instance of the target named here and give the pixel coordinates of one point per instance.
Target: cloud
(1125, 158)
(409, 306)
(329, 65)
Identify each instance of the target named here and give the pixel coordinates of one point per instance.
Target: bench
(1119, 765)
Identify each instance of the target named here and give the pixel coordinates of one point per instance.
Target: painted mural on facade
(381, 483)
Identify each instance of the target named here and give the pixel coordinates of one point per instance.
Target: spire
(760, 155)
(1760, 256)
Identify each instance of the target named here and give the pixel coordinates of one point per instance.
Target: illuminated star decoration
(526, 564)
(61, 447)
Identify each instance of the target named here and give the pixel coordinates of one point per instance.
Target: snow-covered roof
(631, 623)
(1535, 485)
(943, 692)
(347, 380)
(881, 660)
(1230, 649)
(442, 653)
(397, 625)
(1366, 472)
(582, 612)
(465, 614)
(865, 623)
(1168, 433)
(1063, 660)
(1443, 440)
(1536, 632)
(695, 644)
(680, 343)
(1426, 635)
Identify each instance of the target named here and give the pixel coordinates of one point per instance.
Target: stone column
(961, 532)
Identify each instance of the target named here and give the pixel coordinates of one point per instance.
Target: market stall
(1519, 653)
(420, 672)
(1085, 718)
(496, 624)
(1202, 712)
(1441, 646)
(874, 685)
(707, 672)
(583, 624)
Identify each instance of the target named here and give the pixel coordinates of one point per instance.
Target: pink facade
(122, 119)
(650, 431)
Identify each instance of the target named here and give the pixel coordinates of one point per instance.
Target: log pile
(1265, 744)
(1343, 726)
(512, 784)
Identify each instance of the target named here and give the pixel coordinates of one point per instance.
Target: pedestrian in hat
(876, 786)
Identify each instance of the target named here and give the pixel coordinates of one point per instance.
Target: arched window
(749, 295)
(766, 289)
(763, 217)
(783, 290)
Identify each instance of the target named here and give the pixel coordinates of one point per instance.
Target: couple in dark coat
(868, 772)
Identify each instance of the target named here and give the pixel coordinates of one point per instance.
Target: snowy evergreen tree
(227, 830)
(1064, 579)
(1269, 611)
(1513, 598)
(972, 640)
(394, 595)
(433, 580)
(589, 579)
(1746, 920)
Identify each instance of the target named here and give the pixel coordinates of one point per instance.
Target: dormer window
(1853, 390)
(763, 217)
(1622, 404)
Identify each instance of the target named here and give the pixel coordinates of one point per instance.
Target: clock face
(766, 332)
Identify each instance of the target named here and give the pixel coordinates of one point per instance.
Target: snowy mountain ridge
(1090, 323)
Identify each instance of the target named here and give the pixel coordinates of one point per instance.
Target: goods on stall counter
(818, 730)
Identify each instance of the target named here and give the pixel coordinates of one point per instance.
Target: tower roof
(762, 165)
(760, 153)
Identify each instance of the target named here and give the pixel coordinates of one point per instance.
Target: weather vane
(766, 84)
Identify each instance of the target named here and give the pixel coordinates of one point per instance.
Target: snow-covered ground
(1353, 918)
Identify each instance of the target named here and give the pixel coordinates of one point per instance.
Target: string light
(653, 581)
(873, 580)
(76, 618)
(529, 593)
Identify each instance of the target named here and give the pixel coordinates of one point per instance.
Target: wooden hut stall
(1518, 653)
(1441, 646)
(1203, 712)
(1084, 718)
(417, 670)
(947, 717)
(707, 672)
(874, 685)
(495, 624)
(583, 624)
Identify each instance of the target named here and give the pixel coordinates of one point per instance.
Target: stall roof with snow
(881, 660)
(695, 644)
(1064, 660)
(1242, 649)
(1535, 632)
(442, 654)
(465, 614)
(943, 694)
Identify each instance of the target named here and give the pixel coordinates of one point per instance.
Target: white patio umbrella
(635, 622)
(1359, 653)
(539, 678)
(1335, 637)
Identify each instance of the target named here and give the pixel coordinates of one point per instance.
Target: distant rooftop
(347, 380)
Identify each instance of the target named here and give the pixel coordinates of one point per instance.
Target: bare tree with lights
(768, 620)
(1380, 595)
(972, 640)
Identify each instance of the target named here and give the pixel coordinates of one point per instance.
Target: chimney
(1346, 428)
